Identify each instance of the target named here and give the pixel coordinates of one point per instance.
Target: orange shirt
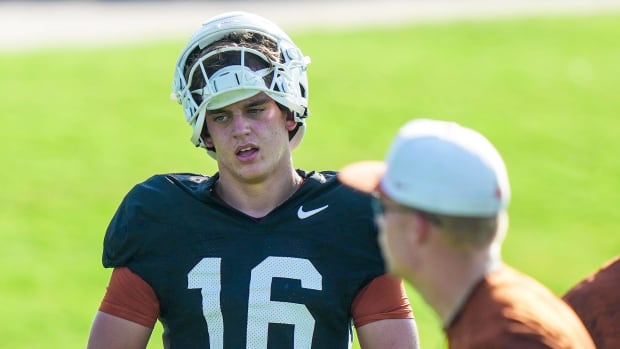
(508, 309)
(596, 300)
(131, 298)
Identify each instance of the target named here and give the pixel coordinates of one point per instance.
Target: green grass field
(79, 127)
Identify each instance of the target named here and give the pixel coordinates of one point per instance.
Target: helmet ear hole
(302, 91)
(297, 135)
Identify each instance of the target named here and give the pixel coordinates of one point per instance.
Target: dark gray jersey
(227, 280)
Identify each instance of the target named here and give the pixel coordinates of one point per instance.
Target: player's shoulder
(320, 177)
(324, 186)
(149, 212)
(327, 179)
(175, 179)
(170, 183)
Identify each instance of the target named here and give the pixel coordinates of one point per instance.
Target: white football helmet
(288, 80)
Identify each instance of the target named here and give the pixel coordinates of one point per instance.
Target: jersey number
(262, 310)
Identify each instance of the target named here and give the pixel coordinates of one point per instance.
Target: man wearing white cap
(440, 201)
(257, 255)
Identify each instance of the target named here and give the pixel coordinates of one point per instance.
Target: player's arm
(383, 316)
(127, 313)
(112, 332)
(389, 334)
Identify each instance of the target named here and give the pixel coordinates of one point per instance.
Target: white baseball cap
(439, 167)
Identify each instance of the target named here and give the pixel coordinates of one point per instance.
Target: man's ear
(207, 140)
(291, 124)
(422, 227)
(205, 137)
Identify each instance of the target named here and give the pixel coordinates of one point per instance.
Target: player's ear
(206, 137)
(208, 142)
(291, 124)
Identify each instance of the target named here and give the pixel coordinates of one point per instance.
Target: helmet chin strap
(197, 131)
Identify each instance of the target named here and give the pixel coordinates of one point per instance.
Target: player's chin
(253, 173)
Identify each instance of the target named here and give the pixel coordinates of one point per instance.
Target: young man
(257, 255)
(440, 202)
(596, 299)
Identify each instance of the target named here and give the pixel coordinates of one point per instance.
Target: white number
(206, 276)
(262, 311)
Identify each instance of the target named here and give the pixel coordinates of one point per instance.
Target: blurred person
(440, 201)
(258, 255)
(596, 299)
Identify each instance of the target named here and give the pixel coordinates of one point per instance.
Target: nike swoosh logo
(305, 214)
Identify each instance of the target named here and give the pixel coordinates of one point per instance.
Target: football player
(259, 255)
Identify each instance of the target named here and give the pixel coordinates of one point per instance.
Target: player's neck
(258, 199)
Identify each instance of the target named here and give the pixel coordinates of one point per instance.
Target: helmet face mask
(231, 73)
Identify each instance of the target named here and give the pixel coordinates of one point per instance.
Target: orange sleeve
(596, 300)
(383, 298)
(130, 297)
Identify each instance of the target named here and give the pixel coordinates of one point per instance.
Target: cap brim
(364, 176)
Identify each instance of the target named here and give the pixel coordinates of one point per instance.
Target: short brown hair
(252, 40)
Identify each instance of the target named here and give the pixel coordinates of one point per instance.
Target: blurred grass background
(79, 127)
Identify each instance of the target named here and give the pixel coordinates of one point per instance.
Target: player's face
(396, 223)
(250, 138)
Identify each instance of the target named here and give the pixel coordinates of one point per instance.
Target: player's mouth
(247, 152)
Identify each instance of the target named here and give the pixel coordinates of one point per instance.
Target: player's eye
(255, 111)
(219, 118)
